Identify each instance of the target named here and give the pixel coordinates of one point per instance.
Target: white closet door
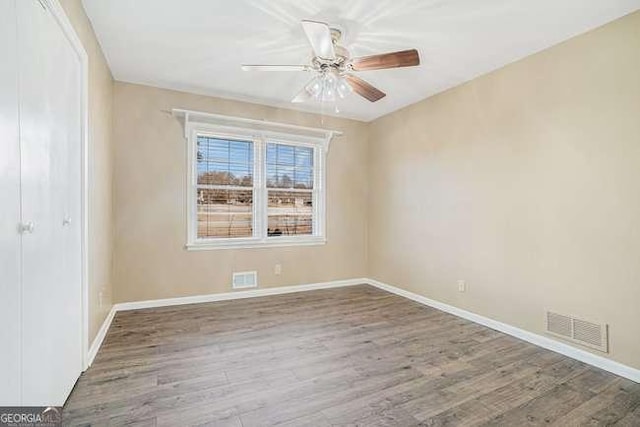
(9, 210)
(50, 161)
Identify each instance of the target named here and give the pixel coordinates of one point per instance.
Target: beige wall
(150, 174)
(526, 184)
(100, 169)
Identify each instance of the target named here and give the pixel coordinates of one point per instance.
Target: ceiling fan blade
(276, 68)
(319, 36)
(303, 95)
(403, 58)
(364, 89)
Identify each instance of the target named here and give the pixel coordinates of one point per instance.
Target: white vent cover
(579, 331)
(245, 279)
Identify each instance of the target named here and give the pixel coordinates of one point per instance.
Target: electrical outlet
(277, 269)
(462, 286)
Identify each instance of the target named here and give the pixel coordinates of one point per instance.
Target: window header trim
(252, 128)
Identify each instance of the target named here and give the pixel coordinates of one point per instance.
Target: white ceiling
(198, 45)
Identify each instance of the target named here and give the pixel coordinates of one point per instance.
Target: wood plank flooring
(348, 356)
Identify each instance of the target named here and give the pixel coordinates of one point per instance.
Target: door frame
(62, 20)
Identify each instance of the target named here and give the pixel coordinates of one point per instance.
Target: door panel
(10, 210)
(49, 142)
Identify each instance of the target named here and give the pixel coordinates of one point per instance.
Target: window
(224, 189)
(289, 190)
(253, 188)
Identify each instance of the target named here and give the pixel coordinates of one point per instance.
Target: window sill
(274, 242)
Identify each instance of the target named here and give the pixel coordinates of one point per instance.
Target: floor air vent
(580, 331)
(245, 279)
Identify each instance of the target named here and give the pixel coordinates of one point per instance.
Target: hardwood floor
(347, 356)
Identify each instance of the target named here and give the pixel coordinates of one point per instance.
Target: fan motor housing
(342, 54)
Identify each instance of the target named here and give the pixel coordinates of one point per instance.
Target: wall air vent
(245, 279)
(582, 332)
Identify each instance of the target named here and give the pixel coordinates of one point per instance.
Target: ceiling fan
(333, 66)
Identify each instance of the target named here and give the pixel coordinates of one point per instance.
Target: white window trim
(260, 133)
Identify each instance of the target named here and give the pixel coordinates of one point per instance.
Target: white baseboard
(536, 339)
(545, 342)
(102, 333)
(136, 305)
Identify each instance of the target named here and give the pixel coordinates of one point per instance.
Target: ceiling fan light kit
(333, 65)
(325, 86)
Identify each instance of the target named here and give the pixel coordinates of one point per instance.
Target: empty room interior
(319, 213)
